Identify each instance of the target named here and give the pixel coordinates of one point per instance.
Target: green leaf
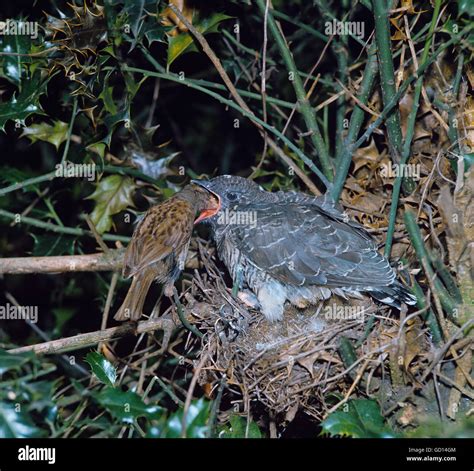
(196, 421)
(184, 42)
(12, 175)
(362, 419)
(102, 368)
(61, 316)
(106, 95)
(237, 428)
(126, 406)
(26, 103)
(10, 361)
(154, 32)
(98, 148)
(112, 195)
(54, 134)
(112, 120)
(14, 49)
(132, 85)
(15, 423)
(466, 6)
(47, 245)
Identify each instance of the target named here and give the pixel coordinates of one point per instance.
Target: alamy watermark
(400, 170)
(241, 218)
(343, 313)
(11, 27)
(12, 312)
(70, 170)
(345, 28)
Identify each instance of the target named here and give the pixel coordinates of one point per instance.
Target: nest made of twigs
(297, 364)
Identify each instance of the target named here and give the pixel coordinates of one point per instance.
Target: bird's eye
(231, 196)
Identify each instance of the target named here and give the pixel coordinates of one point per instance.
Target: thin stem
(246, 113)
(387, 75)
(59, 229)
(30, 181)
(69, 131)
(404, 87)
(409, 135)
(357, 119)
(306, 109)
(415, 236)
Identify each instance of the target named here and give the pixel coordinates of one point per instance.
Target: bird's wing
(301, 244)
(162, 231)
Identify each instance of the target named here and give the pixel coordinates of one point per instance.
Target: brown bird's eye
(231, 196)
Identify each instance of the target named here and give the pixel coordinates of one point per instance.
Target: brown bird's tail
(132, 307)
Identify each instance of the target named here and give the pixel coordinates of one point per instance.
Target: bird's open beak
(215, 207)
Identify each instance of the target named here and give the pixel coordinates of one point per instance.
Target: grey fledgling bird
(289, 246)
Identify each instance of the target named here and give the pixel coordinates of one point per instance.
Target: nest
(304, 363)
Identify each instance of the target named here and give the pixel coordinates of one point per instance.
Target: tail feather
(393, 295)
(132, 306)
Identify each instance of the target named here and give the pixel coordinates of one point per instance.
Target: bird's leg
(246, 296)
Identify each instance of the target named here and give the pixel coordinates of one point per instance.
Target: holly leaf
(9, 361)
(184, 42)
(154, 32)
(102, 368)
(361, 419)
(106, 95)
(16, 423)
(55, 134)
(126, 406)
(196, 421)
(112, 195)
(466, 6)
(47, 245)
(237, 428)
(14, 49)
(24, 104)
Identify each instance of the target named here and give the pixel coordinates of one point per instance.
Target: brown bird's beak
(215, 201)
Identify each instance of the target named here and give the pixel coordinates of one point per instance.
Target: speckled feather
(159, 246)
(301, 249)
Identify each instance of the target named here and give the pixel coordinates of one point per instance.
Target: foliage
(122, 99)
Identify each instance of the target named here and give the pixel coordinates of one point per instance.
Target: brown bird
(159, 245)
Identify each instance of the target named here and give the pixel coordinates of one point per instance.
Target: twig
(241, 105)
(415, 236)
(91, 338)
(26, 183)
(108, 304)
(357, 118)
(97, 236)
(409, 136)
(189, 395)
(404, 86)
(59, 229)
(112, 260)
(442, 351)
(387, 75)
(69, 131)
(305, 107)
